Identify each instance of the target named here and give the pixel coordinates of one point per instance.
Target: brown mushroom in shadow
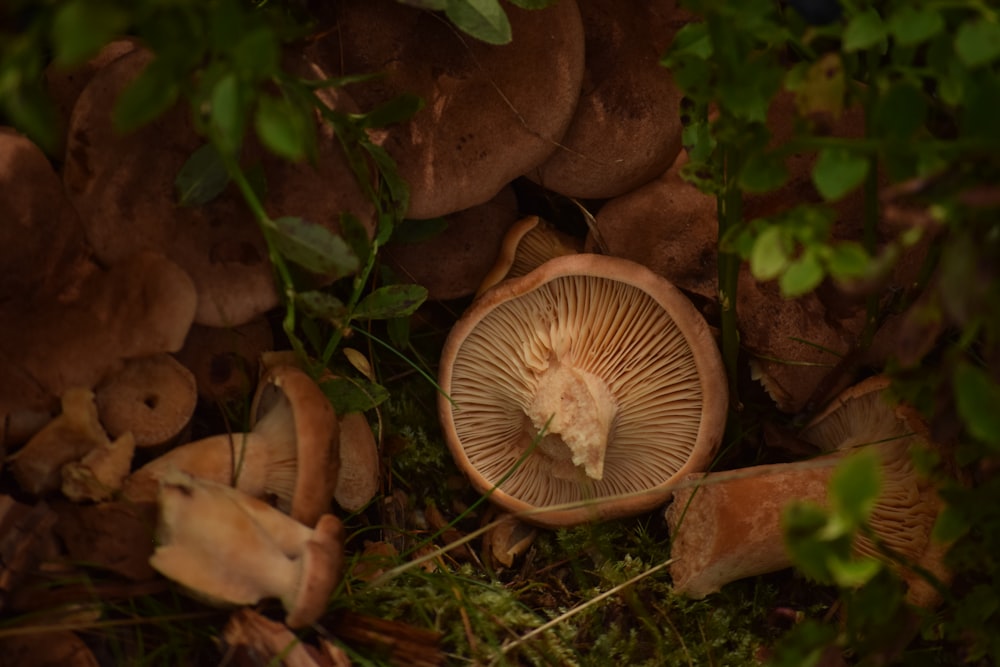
(452, 263)
(588, 378)
(491, 112)
(230, 548)
(289, 454)
(727, 525)
(64, 320)
(224, 360)
(626, 129)
(153, 398)
(360, 467)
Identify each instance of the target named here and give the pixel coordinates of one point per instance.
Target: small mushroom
(360, 467)
(68, 437)
(727, 526)
(290, 452)
(588, 378)
(452, 263)
(224, 360)
(152, 398)
(101, 472)
(232, 549)
(527, 245)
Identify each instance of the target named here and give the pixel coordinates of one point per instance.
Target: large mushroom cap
(603, 370)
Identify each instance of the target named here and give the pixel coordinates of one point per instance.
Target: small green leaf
(433, 5)
(228, 111)
(532, 4)
(950, 525)
(353, 394)
(355, 234)
(978, 401)
(770, 254)
(802, 275)
(202, 178)
(853, 572)
(151, 93)
(81, 28)
(391, 301)
(900, 111)
(912, 25)
(855, 487)
(257, 53)
(838, 171)
(847, 259)
(762, 172)
(416, 231)
(321, 306)
(977, 42)
(313, 247)
(283, 127)
(394, 111)
(692, 39)
(864, 31)
(483, 19)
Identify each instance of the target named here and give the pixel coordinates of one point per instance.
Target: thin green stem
(730, 213)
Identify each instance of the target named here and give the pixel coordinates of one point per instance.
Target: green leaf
(864, 31)
(762, 172)
(416, 231)
(313, 247)
(80, 28)
(853, 572)
(803, 275)
(433, 5)
(150, 94)
(950, 525)
(202, 178)
(978, 400)
(912, 25)
(847, 259)
(532, 4)
(286, 129)
(321, 306)
(353, 394)
(257, 53)
(838, 171)
(390, 301)
(977, 42)
(900, 111)
(396, 110)
(483, 19)
(228, 119)
(855, 486)
(692, 39)
(770, 254)
(355, 234)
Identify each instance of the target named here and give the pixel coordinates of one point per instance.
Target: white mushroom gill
(627, 402)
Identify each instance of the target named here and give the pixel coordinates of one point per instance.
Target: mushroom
(667, 225)
(727, 525)
(452, 263)
(267, 642)
(224, 360)
(290, 452)
(590, 380)
(491, 112)
(152, 398)
(359, 471)
(626, 129)
(101, 471)
(527, 245)
(230, 548)
(68, 437)
(64, 320)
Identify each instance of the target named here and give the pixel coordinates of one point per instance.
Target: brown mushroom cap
(152, 398)
(224, 360)
(492, 112)
(612, 362)
(527, 245)
(627, 126)
(360, 465)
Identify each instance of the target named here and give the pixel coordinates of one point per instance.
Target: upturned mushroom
(289, 454)
(527, 245)
(727, 525)
(590, 380)
(232, 549)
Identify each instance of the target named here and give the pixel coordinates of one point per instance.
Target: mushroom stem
(575, 410)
